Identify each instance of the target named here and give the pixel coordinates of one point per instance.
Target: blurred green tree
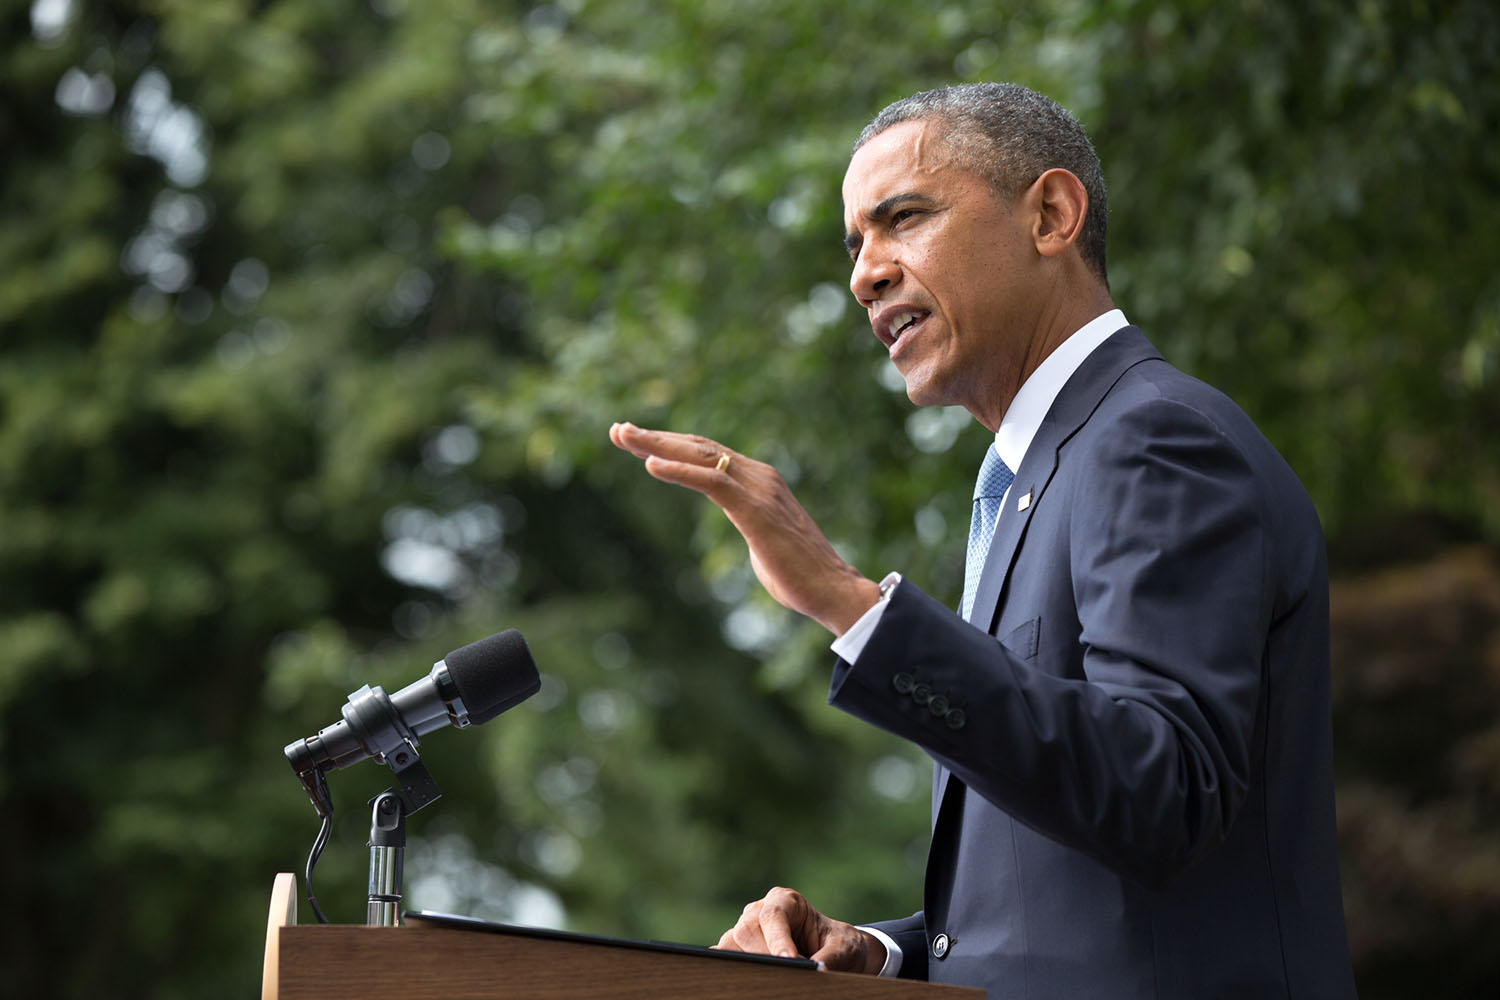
(314, 315)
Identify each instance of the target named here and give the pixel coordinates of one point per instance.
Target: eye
(901, 215)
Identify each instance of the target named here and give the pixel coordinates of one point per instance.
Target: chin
(922, 392)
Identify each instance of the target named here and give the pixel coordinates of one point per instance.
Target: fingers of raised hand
(685, 459)
(694, 449)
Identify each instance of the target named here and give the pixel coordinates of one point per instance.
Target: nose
(875, 273)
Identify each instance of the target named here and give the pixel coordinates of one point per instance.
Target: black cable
(320, 842)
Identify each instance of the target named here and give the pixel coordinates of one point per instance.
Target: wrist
(853, 601)
(875, 954)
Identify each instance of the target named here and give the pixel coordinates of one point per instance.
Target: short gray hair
(1010, 135)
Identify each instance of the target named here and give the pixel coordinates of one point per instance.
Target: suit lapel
(1077, 401)
(939, 787)
(1079, 397)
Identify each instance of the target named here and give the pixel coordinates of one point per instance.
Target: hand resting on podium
(783, 923)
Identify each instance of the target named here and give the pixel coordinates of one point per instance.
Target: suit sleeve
(1143, 760)
(910, 935)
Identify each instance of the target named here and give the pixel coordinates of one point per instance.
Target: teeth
(900, 322)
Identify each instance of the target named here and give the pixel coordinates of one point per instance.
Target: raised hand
(790, 555)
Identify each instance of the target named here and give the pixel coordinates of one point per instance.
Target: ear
(1061, 206)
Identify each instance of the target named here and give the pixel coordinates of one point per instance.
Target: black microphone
(470, 685)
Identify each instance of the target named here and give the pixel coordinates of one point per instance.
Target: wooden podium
(430, 961)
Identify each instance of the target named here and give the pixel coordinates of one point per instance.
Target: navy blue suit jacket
(1133, 792)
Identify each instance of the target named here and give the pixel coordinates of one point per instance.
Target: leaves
(315, 316)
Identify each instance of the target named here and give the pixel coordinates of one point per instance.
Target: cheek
(916, 256)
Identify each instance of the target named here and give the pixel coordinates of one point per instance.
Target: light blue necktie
(994, 479)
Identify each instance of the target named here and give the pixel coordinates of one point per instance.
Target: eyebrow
(884, 210)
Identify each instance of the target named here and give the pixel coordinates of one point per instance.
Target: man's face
(944, 266)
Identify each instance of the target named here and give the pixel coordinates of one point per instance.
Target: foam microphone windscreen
(493, 674)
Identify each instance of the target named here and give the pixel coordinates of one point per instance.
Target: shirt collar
(1024, 417)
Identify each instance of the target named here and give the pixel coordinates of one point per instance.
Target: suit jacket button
(903, 683)
(938, 705)
(940, 946)
(955, 719)
(921, 694)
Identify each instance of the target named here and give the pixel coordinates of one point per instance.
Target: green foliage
(314, 316)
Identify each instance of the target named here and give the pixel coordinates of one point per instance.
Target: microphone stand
(387, 845)
(388, 833)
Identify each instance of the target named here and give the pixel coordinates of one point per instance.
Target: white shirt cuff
(892, 964)
(849, 645)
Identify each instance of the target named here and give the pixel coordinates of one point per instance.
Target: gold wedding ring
(722, 465)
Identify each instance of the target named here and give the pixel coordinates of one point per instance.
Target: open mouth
(902, 324)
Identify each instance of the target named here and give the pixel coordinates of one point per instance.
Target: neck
(1064, 315)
